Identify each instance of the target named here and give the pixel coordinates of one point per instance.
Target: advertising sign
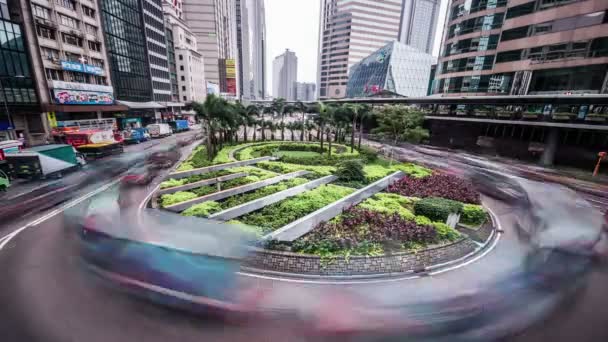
(82, 86)
(52, 119)
(213, 88)
(80, 67)
(231, 86)
(230, 68)
(82, 97)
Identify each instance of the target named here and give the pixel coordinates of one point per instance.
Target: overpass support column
(551, 143)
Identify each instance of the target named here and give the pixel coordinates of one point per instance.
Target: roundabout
(51, 295)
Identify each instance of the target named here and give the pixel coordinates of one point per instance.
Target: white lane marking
(391, 280)
(142, 205)
(6, 239)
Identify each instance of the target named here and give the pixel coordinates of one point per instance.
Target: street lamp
(8, 114)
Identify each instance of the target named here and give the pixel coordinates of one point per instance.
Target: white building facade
(285, 76)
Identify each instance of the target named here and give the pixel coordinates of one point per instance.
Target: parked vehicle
(179, 125)
(94, 143)
(4, 181)
(44, 161)
(159, 130)
(136, 135)
(9, 146)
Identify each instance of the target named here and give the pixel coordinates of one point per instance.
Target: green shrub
(389, 203)
(473, 215)
(445, 232)
(437, 209)
(368, 153)
(178, 197)
(222, 156)
(197, 159)
(423, 220)
(263, 192)
(279, 214)
(253, 171)
(413, 170)
(203, 209)
(281, 167)
(171, 183)
(350, 171)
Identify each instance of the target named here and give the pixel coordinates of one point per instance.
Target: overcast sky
(294, 25)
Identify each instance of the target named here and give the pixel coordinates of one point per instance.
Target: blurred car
(163, 159)
(140, 176)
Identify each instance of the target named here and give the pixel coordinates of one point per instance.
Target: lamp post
(8, 114)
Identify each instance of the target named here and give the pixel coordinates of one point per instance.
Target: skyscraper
(213, 23)
(350, 31)
(419, 23)
(285, 71)
(306, 92)
(251, 46)
(157, 49)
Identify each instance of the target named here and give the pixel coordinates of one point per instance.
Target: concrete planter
(179, 207)
(298, 228)
(200, 183)
(207, 169)
(260, 203)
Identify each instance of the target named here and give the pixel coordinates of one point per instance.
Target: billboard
(231, 86)
(80, 67)
(230, 68)
(213, 88)
(82, 97)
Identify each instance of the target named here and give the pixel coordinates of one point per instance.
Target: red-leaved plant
(437, 185)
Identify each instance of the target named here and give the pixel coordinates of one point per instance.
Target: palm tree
(253, 112)
(309, 127)
(287, 110)
(364, 113)
(355, 109)
(299, 106)
(278, 106)
(272, 127)
(262, 124)
(321, 120)
(213, 113)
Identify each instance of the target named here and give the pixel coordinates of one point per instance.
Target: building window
(45, 32)
(181, 58)
(185, 98)
(183, 78)
(71, 40)
(89, 12)
(101, 80)
(96, 62)
(41, 12)
(95, 46)
(181, 67)
(509, 56)
(75, 77)
(517, 11)
(91, 29)
(50, 54)
(69, 4)
(68, 21)
(183, 88)
(72, 57)
(52, 74)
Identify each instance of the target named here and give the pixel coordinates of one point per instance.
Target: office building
(124, 31)
(69, 62)
(394, 70)
(157, 50)
(251, 47)
(306, 92)
(21, 112)
(285, 76)
(351, 30)
(213, 23)
(524, 47)
(419, 23)
(186, 63)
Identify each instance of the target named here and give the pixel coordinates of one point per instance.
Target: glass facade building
(500, 47)
(126, 43)
(396, 68)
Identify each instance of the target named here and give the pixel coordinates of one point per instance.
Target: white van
(159, 130)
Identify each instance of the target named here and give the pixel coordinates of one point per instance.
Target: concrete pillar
(551, 142)
(99, 115)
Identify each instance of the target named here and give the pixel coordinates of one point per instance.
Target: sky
(294, 25)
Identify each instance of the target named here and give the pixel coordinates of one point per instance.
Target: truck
(159, 130)
(179, 125)
(44, 161)
(94, 143)
(136, 135)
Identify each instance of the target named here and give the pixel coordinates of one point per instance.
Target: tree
(278, 106)
(215, 113)
(400, 123)
(354, 109)
(364, 113)
(253, 112)
(299, 106)
(287, 110)
(321, 119)
(309, 126)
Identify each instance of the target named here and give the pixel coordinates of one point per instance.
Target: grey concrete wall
(260, 203)
(288, 262)
(179, 207)
(207, 169)
(200, 183)
(295, 229)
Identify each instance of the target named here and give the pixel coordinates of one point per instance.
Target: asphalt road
(48, 295)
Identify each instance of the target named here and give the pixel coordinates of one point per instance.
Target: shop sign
(230, 68)
(81, 86)
(82, 97)
(52, 119)
(80, 67)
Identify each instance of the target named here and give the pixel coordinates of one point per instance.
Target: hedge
(281, 167)
(473, 215)
(391, 204)
(437, 209)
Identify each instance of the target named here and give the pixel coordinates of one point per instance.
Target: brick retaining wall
(358, 265)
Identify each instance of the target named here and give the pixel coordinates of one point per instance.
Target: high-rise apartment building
(251, 47)
(285, 76)
(351, 30)
(213, 23)
(69, 63)
(419, 23)
(125, 34)
(524, 47)
(186, 63)
(157, 50)
(306, 92)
